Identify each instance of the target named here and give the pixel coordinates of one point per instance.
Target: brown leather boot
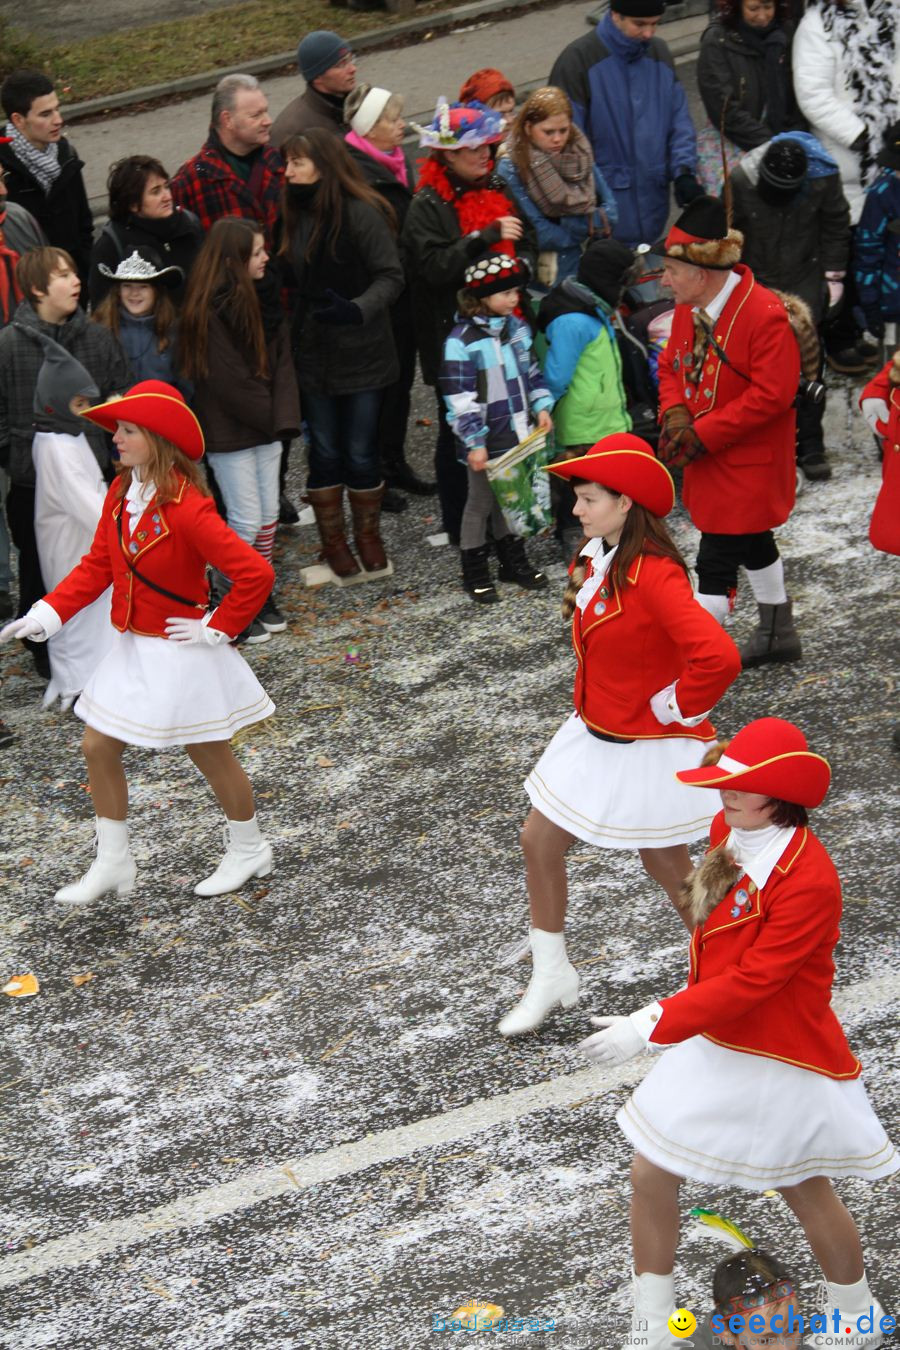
(365, 506)
(328, 504)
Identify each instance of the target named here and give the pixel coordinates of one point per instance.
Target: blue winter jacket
(876, 259)
(563, 235)
(491, 383)
(628, 101)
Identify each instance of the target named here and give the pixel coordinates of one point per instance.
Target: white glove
(23, 628)
(661, 705)
(874, 410)
(620, 1041)
(196, 631)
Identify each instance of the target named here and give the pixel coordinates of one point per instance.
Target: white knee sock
(716, 605)
(767, 584)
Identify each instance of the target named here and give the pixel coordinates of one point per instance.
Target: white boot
(113, 869)
(654, 1304)
(554, 980)
(246, 855)
(852, 1302)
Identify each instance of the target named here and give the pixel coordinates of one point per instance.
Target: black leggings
(720, 555)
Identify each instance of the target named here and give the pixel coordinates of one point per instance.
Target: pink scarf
(395, 161)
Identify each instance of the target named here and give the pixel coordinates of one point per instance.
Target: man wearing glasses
(329, 68)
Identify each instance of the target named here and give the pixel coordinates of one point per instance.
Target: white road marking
(268, 1183)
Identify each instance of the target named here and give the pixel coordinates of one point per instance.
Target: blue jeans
(248, 481)
(343, 438)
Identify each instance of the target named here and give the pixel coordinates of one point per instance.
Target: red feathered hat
(626, 464)
(770, 756)
(156, 407)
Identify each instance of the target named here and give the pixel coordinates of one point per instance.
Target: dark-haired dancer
(651, 663)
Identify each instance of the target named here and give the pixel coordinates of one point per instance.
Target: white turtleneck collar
(139, 495)
(758, 851)
(599, 569)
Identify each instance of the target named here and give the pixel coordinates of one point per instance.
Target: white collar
(139, 495)
(718, 302)
(599, 568)
(758, 851)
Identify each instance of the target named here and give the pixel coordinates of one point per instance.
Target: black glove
(681, 449)
(492, 234)
(338, 310)
(687, 188)
(875, 323)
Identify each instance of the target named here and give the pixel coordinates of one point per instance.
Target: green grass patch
(112, 62)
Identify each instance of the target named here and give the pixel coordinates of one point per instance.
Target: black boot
(514, 564)
(393, 502)
(399, 474)
(477, 574)
(776, 638)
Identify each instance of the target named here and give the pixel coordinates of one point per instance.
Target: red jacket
(173, 545)
(632, 644)
(761, 983)
(746, 481)
(208, 186)
(884, 527)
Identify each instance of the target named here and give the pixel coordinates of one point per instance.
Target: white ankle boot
(554, 980)
(246, 855)
(853, 1302)
(654, 1304)
(113, 869)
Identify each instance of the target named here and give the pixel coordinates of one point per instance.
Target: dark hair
(21, 88)
(339, 178)
(35, 268)
(126, 182)
(788, 814)
(745, 1272)
(642, 532)
(219, 281)
(109, 312)
(730, 12)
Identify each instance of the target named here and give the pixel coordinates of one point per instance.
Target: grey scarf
(42, 164)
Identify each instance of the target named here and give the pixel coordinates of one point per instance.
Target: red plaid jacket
(208, 186)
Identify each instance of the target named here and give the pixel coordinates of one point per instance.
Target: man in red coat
(728, 380)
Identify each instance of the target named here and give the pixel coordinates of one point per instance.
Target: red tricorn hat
(626, 464)
(157, 407)
(768, 756)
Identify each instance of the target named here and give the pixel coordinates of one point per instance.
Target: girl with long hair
(549, 168)
(340, 242)
(235, 348)
(171, 677)
(138, 309)
(651, 663)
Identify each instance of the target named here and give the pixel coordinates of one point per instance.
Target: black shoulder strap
(160, 590)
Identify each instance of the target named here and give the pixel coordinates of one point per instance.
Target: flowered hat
(626, 464)
(157, 407)
(497, 272)
(770, 756)
(461, 126)
(144, 265)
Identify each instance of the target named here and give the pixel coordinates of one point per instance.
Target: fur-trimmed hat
(495, 273)
(624, 463)
(459, 126)
(770, 756)
(701, 236)
(157, 407)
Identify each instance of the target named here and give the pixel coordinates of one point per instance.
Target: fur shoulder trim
(805, 331)
(708, 885)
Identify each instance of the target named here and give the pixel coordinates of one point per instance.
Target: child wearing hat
(171, 677)
(493, 390)
(775, 1099)
(877, 241)
(138, 309)
(651, 663)
(755, 1299)
(68, 500)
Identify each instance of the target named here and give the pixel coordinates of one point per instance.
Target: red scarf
(475, 209)
(10, 290)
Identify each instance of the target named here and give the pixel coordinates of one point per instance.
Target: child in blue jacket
(877, 245)
(493, 389)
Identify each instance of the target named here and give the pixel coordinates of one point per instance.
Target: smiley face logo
(682, 1323)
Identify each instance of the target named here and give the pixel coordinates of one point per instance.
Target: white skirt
(621, 796)
(732, 1119)
(149, 691)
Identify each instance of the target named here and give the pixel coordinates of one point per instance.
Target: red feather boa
(475, 209)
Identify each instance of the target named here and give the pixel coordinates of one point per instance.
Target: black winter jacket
(176, 238)
(730, 68)
(63, 213)
(436, 257)
(348, 358)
